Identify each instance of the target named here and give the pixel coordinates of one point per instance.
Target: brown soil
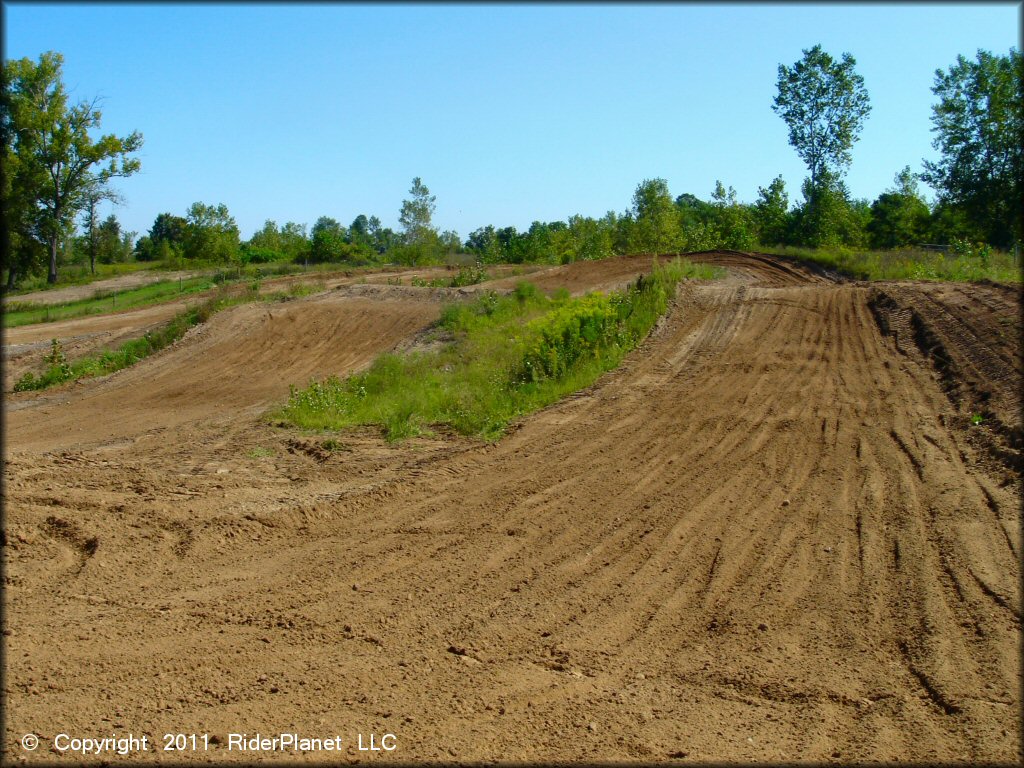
(25, 347)
(765, 537)
(89, 290)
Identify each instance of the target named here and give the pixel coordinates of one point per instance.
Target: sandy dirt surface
(770, 535)
(107, 285)
(25, 347)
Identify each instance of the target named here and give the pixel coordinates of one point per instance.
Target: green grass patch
(24, 313)
(964, 265)
(503, 357)
(58, 370)
(78, 274)
(296, 291)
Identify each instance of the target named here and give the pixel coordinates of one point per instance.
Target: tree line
(55, 174)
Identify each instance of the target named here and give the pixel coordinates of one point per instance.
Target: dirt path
(241, 361)
(26, 346)
(763, 538)
(108, 285)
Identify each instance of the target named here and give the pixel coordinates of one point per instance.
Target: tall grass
(911, 264)
(503, 357)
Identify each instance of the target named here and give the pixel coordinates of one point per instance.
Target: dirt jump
(788, 527)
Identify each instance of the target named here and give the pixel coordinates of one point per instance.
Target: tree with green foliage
(16, 201)
(979, 126)
(771, 213)
(267, 238)
(483, 242)
(732, 221)
(824, 103)
(417, 213)
(170, 228)
(294, 241)
(328, 241)
(450, 242)
(900, 216)
(828, 216)
(656, 220)
(418, 232)
(693, 210)
(113, 245)
(165, 240)
(359, 231)
(210, 233)
(58, 161)
(588, 239)
(511, 245)
(91, 200)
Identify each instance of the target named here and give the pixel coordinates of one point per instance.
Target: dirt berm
(773, 534)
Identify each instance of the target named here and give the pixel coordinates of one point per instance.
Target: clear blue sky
(509, 113)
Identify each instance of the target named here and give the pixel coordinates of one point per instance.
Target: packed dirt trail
(770, 535)
(106, 285)
(26, 345)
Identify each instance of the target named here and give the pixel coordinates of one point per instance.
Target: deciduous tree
(824, 103)
(771, 213)
(210, 233)
(899, 216)
(979, 126)
(91, 199)
(656, 220)
(58, 159)
(416, 217)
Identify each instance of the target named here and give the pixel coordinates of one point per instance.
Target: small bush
(964, 262)
(559, 338)
(57, 371)
(469, 276)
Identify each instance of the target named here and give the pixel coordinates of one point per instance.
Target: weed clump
(56, 370)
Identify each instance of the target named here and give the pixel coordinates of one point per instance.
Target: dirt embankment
(764, 537)
(99, 287)
(971, 335)
(25, 347)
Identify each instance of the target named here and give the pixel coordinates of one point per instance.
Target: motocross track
(772, 534)
(25, 345)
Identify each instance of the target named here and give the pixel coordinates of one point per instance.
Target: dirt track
(770, 535)
(25, 346)
(89, 290)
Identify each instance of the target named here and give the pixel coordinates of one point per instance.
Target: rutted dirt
(26, 346)
(765, 537)
(234, 364)
(972, 335)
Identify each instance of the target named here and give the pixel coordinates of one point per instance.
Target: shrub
(576, 329)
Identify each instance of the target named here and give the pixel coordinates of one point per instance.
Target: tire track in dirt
(26, 346)
(972, 335)
(768, 564)
(758, 539)
(242, 360)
